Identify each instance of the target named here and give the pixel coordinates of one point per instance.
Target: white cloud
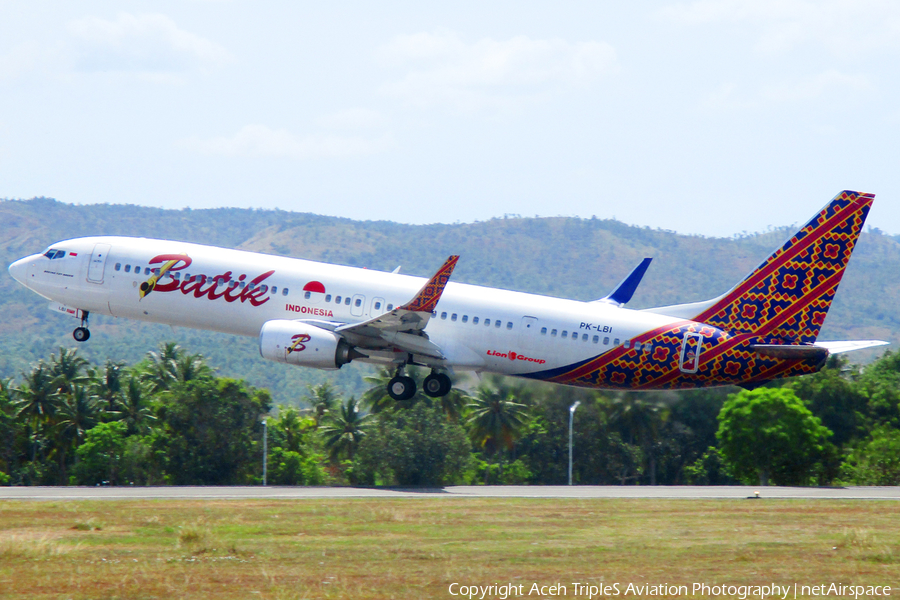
(845, 27)
(147, 43)
(834, 85)
(263, 142)
(441, 68)
(353, 118)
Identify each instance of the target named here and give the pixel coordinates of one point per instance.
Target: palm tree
(343, 430)
(639, 421)
(68, 369)
(108, 383)
(77, 413)
(495, 419)
(133, 407)
(188, 367)
(322, 399)
(38, 399)
(291, 427)
(161, 367)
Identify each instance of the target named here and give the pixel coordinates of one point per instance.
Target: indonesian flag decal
(313, 288)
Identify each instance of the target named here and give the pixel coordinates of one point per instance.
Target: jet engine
(304, 345)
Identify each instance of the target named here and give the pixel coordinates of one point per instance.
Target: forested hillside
(570, 257)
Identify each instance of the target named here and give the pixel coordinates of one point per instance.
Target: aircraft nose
(19, 269)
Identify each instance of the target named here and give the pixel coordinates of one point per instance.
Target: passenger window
(637, 346)
(156, 272)
(616, 342)
(128, 268)
(584, 337)
(176, 275)
(347, 300)
(274, 289)
(284, 291)
(146, 270)
(337, 299)
(553, 333)
(497, 323)
(543, 331)
(307, 295)
(596, 338)
(627, 344)
(565, 334)
(444, 316)
(390, 307)
(378, 306)
(263, 288)
(606, 341)
(509, 324)
(118, 266)
(453, 317)
(327, 297)
(487, 322)
(465, 319)
(574, 336)
(358, 302)
(474, 320)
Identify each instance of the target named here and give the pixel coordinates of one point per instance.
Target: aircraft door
(98, 263)
(689, 359)
(357, 305)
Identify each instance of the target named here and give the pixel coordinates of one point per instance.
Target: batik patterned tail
(790, 293)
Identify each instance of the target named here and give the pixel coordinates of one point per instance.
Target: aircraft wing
(402, 327)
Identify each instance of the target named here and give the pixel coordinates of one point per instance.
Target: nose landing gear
(82, 334)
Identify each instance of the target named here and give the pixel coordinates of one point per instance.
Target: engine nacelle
(304, 345)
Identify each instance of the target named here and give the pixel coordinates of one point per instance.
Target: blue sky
(710, 117)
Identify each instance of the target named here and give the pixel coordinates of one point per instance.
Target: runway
(557, 492)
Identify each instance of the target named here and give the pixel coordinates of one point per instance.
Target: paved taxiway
(578, 491)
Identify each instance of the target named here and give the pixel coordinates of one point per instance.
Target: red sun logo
(315, 287)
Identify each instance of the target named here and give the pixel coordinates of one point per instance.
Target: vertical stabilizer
(790, 293)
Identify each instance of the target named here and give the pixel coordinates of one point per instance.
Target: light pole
(265, 424)
(571, 418)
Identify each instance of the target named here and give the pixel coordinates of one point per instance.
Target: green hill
(566, 257)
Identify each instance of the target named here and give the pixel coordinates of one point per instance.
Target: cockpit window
(54, 253)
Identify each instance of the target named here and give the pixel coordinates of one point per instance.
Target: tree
(639, 420)
(343, 430)
(876, 461)
(77, 413)
(495, 419)
(211, 432)
(108, 383)
(289, 430)
(134, 406)
(100, 457)
(769, 435)
(413, 447)
(322, 399)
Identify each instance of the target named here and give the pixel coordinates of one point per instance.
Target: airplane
(324, 316)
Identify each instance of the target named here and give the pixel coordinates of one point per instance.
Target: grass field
(415, 548)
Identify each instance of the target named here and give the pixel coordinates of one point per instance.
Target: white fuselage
(477, 328)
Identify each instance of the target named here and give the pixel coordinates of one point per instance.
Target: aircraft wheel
(437, 385)
(81, 334)
(401, 388)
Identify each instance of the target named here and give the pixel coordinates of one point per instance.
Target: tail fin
(789, 294)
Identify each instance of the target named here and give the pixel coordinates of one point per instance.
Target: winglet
(625, 290)
(427, 298)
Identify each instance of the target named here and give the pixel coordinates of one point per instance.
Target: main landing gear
(403, 387)
(82, 334)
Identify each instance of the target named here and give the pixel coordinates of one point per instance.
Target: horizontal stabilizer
(849, 346)
(625, 290)
(804, 351)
